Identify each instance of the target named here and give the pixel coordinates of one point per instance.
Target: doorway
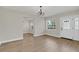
(28, 25)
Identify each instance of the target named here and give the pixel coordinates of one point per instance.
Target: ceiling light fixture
(40, 12)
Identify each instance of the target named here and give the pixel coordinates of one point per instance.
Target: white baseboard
(75, 39)
(54, 35)
(38, 34)
(2, 42)
(47, 34)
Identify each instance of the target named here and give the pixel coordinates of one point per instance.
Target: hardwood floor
(43, 43)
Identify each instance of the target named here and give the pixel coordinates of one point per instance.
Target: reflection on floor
(43, 43)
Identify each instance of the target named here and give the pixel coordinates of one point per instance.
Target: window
(51, 24)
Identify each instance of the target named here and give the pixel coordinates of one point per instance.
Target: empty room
(39, 29)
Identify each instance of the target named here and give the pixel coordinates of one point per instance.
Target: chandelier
(40, 12)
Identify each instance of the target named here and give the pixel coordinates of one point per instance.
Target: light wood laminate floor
(43, 43)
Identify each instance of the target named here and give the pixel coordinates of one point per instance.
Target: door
(76, 28)
(66, 27)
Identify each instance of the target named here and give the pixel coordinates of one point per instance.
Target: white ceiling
(49, 10)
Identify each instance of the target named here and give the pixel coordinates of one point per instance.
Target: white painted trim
(38, 34)
(76, 39)
(0, 43)
(54, 35)
(20, 38)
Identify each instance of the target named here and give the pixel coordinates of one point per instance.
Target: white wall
(53, 32)
(39, 26)
(56, 32)
(11, 25)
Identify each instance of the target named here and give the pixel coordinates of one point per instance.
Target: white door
(76, 28)
(66, 27)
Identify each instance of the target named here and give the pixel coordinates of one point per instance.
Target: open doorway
(28, 25)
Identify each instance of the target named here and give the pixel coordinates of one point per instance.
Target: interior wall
(11, 25)
(53, 32)
(57, 32)
(39, 26)
(73, 33)
(72, 13)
